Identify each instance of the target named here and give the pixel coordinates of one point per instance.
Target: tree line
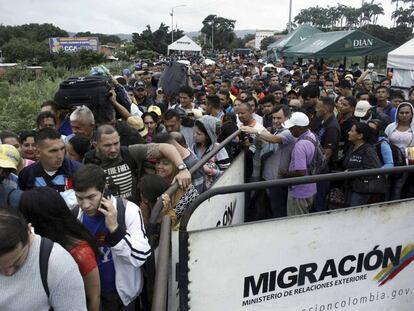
(365, 18)
(29, 43)
(346, 17)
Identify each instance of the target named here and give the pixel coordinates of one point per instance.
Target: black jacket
(365, 157)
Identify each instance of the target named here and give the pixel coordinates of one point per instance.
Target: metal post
(172, 25)
(212, 35)
(172, 20)
(290, 17)
(161, 278)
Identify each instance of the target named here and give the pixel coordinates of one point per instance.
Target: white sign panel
(219, 211)
(222, 210)
(357, 259)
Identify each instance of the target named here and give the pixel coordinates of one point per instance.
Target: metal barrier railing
(183, 233)
(160, 275)
(158, 205)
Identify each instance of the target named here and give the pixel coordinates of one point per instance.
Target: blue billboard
(73, 45)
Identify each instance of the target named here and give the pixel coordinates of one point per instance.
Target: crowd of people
(89, 185)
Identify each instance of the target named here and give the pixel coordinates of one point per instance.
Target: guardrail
(161, 277)
(183, 233)
(158, 279)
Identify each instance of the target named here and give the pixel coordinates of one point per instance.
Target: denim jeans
(278, 201)
(356, 199)
(397, 186)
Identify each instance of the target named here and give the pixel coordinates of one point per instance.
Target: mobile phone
(105, 194)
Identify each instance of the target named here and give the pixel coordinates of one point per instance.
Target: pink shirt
(302, 156)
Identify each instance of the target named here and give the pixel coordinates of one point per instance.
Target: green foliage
(103, 39)
(22, 91)
(4, 89)
(395, 36)
(145, 54)
(32, 32)
(404, 16)
(29, 44)
(220, 29)
(84, 58)
(18, 74)
(241, 42)
(157, 41)
(21, 49)
(266, 42)
(18, 110)
(341, 16)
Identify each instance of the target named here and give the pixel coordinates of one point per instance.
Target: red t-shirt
(84, 257)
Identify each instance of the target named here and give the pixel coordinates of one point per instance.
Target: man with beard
(123, 165)
(141, 96)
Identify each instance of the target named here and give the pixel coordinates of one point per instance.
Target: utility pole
(290, 17)
(212, 35)
(172, 20)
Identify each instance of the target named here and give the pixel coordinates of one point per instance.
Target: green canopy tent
(294, 38)
(338, 44)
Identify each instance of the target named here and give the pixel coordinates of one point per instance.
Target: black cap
(139, 85)
(275, 88)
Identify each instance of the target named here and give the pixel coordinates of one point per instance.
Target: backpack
(319, 161)
(173, 77)
(46, 246)
(88, 91)
(397, 156)
(120, 207)
(92, 92)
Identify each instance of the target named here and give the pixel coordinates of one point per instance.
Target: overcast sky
(127, 16)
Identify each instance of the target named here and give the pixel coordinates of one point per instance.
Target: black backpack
(89, 91)
(93, 92)
(46, 246)
(173, 77)
(397, 156)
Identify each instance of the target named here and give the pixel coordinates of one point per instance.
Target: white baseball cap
(361, 108)
(296, 119)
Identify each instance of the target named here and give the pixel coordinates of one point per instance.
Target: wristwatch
(182, 167)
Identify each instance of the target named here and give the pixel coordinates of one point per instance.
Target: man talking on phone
(119, 229)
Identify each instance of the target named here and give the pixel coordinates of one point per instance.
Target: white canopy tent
(184, 44)
(401, 60)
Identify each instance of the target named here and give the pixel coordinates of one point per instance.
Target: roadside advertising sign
(73, 45)
(353, 259)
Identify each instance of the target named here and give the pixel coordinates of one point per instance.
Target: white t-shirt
(135, 110)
